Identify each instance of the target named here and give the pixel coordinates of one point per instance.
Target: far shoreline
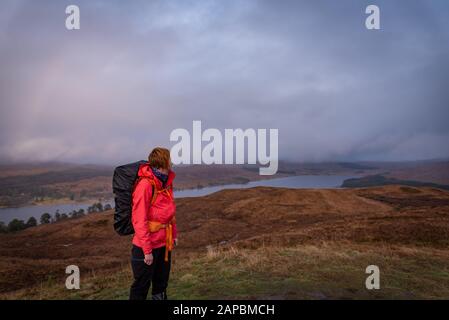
(64, 201)
(59, 201)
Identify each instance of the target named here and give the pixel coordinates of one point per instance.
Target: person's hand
(148, 259)
(176, 242)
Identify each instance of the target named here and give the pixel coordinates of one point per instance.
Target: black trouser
(157, 273)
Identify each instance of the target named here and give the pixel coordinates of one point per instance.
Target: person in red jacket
(153, 219)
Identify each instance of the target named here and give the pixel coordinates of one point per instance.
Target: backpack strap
(154, 191)
(153, 188)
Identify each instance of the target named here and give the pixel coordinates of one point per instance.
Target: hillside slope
(254, 243)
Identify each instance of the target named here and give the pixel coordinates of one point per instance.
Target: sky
(136, 70)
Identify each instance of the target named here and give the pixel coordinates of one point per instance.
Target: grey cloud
(137, 70)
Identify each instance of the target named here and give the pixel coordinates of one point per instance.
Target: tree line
(46, 218)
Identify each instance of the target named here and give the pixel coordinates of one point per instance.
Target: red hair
(160, 158)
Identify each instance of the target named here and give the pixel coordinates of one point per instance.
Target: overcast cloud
(139, 69)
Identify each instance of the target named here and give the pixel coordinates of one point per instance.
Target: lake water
(24, 213)
(296, 182)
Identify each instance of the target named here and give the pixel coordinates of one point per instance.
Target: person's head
(160, 158)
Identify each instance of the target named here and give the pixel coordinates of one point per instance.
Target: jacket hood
(146, 172)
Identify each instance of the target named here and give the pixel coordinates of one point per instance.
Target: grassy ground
(326, 271)
(273, 243)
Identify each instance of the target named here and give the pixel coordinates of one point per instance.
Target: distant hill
(42, 183)
(381, 180)
(21, 184)
(436, 171)
(254, 243)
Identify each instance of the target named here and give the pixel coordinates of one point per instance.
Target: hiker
(153, 219)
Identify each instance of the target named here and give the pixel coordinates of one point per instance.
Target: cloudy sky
(136, 70)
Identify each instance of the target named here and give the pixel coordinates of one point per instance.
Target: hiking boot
(159, 296)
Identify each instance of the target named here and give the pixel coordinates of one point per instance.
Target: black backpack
(123, 183)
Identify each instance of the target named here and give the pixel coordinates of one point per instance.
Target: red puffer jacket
(162, 210)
